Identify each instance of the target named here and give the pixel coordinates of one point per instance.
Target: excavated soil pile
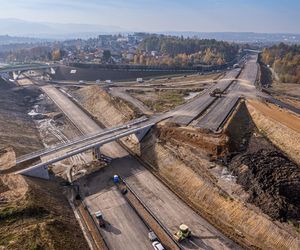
(35, 215)
(215, 145)
(265, 74)
(273, 182)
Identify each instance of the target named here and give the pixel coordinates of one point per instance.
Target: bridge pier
(41, 172)
(96, 153)
(139, 135)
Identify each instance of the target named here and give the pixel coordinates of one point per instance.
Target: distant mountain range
(242, 37)
(4, 40)
(17, 27)
(58, 31)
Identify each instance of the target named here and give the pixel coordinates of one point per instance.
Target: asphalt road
(217, 114)
(187, 112)
(124, 229)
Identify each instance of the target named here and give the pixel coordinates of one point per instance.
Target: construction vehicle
(100, 219)
(216, 92)
(183, 233)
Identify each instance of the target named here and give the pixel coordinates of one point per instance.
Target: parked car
(157, 245)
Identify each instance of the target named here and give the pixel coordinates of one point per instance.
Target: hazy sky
(163, 15)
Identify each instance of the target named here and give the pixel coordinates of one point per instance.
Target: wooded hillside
(285, 60)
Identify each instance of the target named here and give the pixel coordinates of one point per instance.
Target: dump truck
(183, 233)
(216, 92)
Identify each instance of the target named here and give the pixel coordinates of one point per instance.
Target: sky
(271, 16)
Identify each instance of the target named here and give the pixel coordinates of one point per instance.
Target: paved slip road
(127, 230)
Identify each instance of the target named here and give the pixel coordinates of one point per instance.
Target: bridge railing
(60, 146)
(111, 137)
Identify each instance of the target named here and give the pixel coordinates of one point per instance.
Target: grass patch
(165, 100)
(11, 214)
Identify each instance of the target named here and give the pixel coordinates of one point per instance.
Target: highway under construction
(174, 167)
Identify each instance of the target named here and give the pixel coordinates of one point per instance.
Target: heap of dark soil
(272, 181)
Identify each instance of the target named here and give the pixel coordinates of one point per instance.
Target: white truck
(139, 80)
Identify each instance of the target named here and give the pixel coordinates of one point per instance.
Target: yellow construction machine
(183, 233)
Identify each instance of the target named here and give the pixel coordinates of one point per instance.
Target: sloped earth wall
(17, 129)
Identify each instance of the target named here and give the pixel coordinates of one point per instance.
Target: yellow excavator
(183, 233)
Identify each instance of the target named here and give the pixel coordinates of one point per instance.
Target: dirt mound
(7, 158)
(272, 181)
(35, 215)
(213, 144)
(12, 188)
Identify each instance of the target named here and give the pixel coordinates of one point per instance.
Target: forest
(181, 51)
(285, 60)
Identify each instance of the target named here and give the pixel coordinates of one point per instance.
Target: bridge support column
(139, 135)
(96, 153)
(41, 172)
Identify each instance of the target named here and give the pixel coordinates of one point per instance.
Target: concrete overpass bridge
(138, 128)
(17, 70)
(22, 68)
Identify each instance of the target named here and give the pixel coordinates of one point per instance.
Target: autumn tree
(56, 55)
(285, 60)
